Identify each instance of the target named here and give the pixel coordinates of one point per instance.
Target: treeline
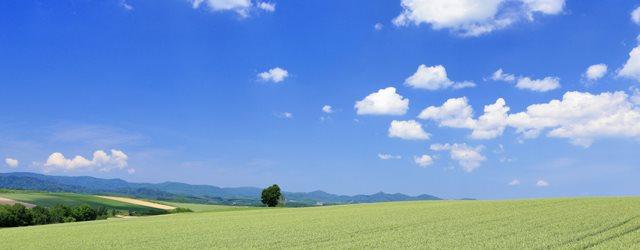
(18, 215)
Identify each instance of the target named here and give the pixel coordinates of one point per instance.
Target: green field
(46, 199)
(551, 223)
(206, 207)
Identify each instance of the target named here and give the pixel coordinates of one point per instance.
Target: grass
(206, 207)
(551, 223)
(47, 199)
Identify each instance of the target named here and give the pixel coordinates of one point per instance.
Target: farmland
(207, 207)
(47, 199)
(545, 223)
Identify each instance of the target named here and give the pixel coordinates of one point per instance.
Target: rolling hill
(175, 191)
(47, 199)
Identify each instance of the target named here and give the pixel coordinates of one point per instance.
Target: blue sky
(153, 91)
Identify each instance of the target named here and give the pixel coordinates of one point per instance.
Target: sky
(487, 99)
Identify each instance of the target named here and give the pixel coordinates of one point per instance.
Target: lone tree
(271, 195)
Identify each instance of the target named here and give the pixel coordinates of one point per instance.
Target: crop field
(549, 223)
(207, 207)
(70, 199)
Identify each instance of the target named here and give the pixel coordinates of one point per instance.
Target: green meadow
(206, 207)
(572, 223)
(47, 199)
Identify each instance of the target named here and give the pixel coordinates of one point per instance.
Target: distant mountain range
(175, 191)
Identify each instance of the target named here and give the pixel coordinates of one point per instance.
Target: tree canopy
(271, 195)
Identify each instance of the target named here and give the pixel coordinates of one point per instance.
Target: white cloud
(581, 117)
(549, 7)
(542, 183)
(499, 75)
(635, 96)
(275, 75)
(463, 85)
(327, 109)
(473, 17)
(389, 157)
(434, 78)
(126, 5)
(106, 162)
(596, 71)
(463, 16)
(378, 26)
(423, 160)
(539, 85)
(407, 130)
(241, 7)
(469, 158)
(131, 171)
(514, 182)
(268, 7)
(631, 68)
(457, 113)
(12, 163)
(454, 113)
(492, 123)
(384, 102)
(635, 16)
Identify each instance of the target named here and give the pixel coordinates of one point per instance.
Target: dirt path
(5, 201)
(138, 202)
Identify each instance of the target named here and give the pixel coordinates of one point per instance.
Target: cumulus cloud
(492, 123)
(581, 117)
(101, 160)
(131, 171)
(549, 7)
(635, 16)
(596, 71)
(539, 85)
(423, 160)
(434, 78)
(635, 95)
(384, 102)
(469, 158)
(514, 182)
(327, 109)
(499, 75)
(408, 130)
(473, 17)
(275, 75)
(631, 68)
(542, 183)
(12, 163)
(454, 113)
(268, 7)
(389, 157)
(457, 113)
(242, 7)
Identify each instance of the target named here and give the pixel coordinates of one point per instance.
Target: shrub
(39, 216)
(59, 214)
(7, 218)
(84, 213)
(181, 210)
(18, 215)
(21, 214)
